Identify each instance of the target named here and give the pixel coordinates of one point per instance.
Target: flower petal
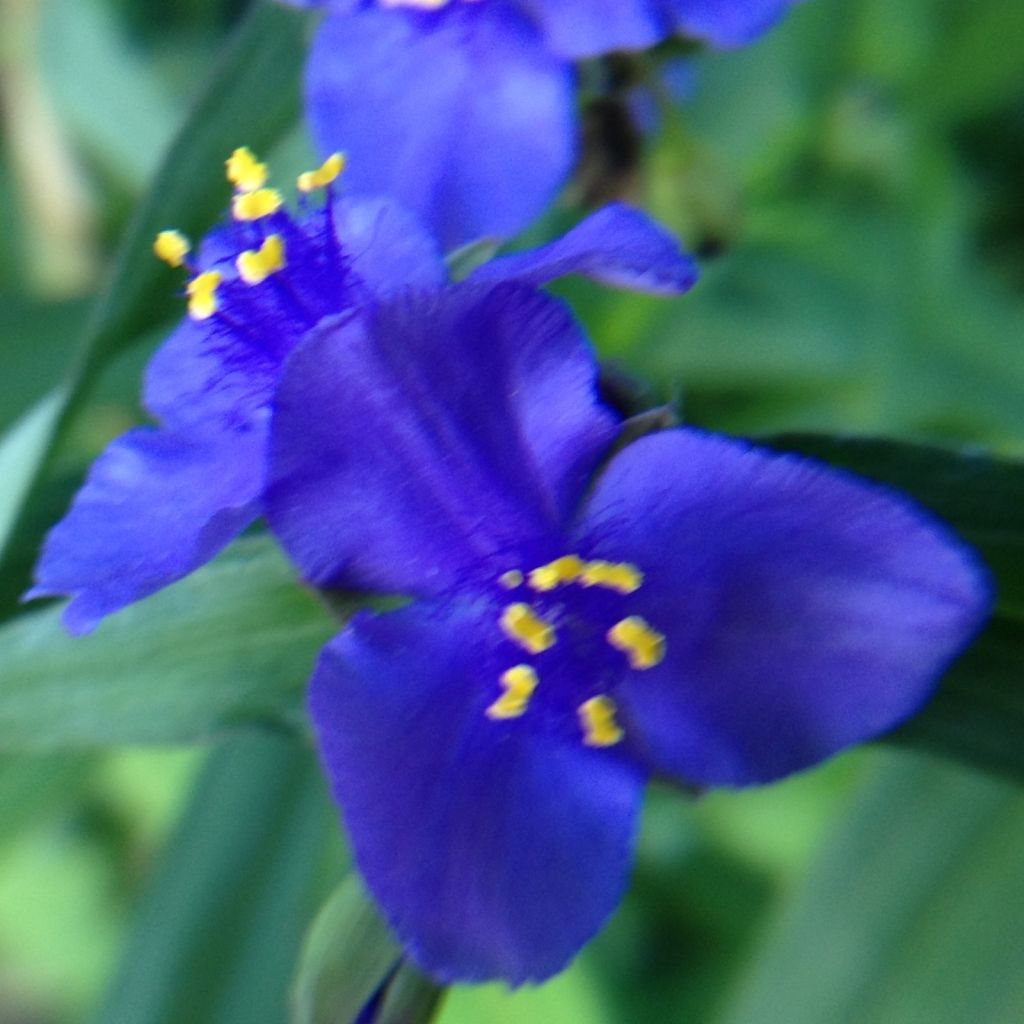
(203, 374)
(155, 507)
(431, 439)
(804, 609)
(388, 246)
(495, 851)
(589, 28)
(461, 115)
(729, 23)
(618, 246)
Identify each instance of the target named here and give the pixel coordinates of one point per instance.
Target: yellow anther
(327, 172)
(519, 683)
(172, 247)
(561, 570)
(644, 647)
(531, 632)
(511, 579)
(256, 265)
(202, 295)
(619, 576)
(245, 172)
(597, 717)
(254, 205)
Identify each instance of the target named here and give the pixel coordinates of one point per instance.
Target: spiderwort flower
(690, 607)
(161, 502)
(464, 110)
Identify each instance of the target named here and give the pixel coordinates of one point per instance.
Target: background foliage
(853, 185)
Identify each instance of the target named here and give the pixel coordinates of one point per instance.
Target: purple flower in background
(690, 607)
(464, 110)
(160, 502)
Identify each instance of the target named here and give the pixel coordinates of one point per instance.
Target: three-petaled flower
(464, 110)
(690, 607)
(161, 502)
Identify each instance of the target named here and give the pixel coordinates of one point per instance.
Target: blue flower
(689, 607)
(161, 502)
(464, 111)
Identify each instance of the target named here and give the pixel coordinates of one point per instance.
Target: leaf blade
(231, 644)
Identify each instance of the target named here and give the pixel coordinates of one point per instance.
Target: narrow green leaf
(251, 98)
(978, 714)
(103, 89)
(912, 913)
(233, 643)
(411, 998)
(220, 925)
(347, 955)
(22, 449)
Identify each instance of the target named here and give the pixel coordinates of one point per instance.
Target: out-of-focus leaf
(978, 713)
(977, 63)
(572, 996)
(103, 90)
(219, 928)
(912, 913)
(411, 998)
(250, 98)
(347, 956)
(31, 785)
(21, 450)
(34, 339)
(231, 644)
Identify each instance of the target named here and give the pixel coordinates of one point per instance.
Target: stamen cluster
(534, 626)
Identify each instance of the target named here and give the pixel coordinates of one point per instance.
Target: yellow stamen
(172, 247)
(519, 683)
(256, 265)
(597, 717)
(327, 172)
(254, 205)
(561, 570)
(202, 295)
(528, 630)
(245, 172)
(511, 579)
(645, 647)
(618, 576)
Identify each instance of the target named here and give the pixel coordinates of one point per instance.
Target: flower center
(265, 240)
(579, 639)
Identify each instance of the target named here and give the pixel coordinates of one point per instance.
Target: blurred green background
(853, 185)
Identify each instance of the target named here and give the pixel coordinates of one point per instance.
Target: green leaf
(912, 913)
(978, 713)
(346, 958)
(103, 89)
(411, 998)
(250, 98)
(22, 449)
(571, 996)
(221, 923)
(233, 643)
